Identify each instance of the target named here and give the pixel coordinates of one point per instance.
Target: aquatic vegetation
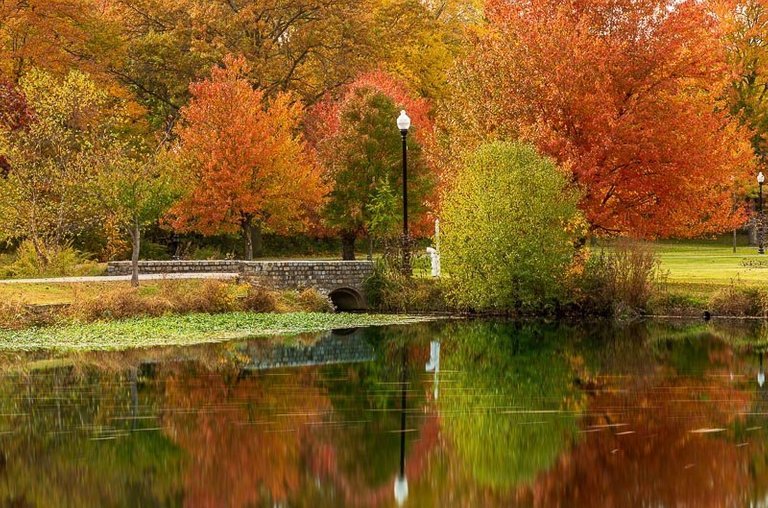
(184, 330)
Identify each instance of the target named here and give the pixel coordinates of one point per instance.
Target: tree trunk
(248, 232)
(370, 247)
(136, 241)
(348, 246)
(258, 240)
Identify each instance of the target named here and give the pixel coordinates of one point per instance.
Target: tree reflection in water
(652, 414)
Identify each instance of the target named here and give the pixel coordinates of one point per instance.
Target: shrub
(633, 273)
(61, 262)
(259, 299)
(206, 253)
(388, 290)
(13, 315)
(312, 300)
(510, 224)
(212, 296)
(16, 315)
(119, 303)
(675, 305)
(621, 280)
(738, 301)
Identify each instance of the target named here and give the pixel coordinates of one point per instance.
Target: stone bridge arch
(342, 281)
(348, 299)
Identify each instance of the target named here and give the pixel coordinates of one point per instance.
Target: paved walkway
(123, 278)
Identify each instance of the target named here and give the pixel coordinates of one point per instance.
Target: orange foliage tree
(622, 93)
(248, 166)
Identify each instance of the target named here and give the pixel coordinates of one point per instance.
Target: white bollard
(434, 258)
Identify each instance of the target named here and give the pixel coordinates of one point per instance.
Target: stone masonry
(326, 276)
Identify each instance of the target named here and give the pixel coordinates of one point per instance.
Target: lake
(448, 413)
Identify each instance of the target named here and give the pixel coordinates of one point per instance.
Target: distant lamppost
(760, 217)
(404, 123)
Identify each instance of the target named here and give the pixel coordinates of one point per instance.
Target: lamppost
(404, 123)
(760, 218)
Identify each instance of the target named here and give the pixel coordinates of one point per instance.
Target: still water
(438, 414)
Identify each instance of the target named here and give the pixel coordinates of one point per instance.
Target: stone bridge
(341, 280)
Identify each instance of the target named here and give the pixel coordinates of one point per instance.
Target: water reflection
(441, 414)
(434, 363)
(401, 482)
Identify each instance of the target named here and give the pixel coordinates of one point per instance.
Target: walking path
(123, 278)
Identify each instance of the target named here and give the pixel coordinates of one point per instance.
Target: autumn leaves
(652, 109)
(246, 165)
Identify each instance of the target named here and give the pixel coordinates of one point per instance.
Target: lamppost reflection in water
(760, 371)
(401, 482)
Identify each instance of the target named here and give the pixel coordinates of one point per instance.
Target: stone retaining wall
(218, 266)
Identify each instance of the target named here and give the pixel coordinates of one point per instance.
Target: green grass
(698, 269)
(184, 330)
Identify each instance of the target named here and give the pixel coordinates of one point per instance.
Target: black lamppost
(404, 123)
(760, 218)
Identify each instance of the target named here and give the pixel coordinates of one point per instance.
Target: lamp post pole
(404, 123)
(760, 216)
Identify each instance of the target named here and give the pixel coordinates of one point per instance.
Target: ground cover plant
(188, 329)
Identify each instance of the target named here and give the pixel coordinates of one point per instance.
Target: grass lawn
(184, 330)
(54, 294)
(699, 268)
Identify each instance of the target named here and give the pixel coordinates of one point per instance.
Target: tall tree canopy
(625, 94)
(307, 47)
(248, 166)
(745, 24)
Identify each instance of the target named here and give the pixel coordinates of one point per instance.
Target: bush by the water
(736, 300)
(619, 280)
(510, 225)
(211, 296)
(388, 290)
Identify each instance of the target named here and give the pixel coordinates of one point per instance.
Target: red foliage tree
(622, 93)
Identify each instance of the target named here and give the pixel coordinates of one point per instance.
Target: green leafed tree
(509, 226)
(360, 148)
(136, 190)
